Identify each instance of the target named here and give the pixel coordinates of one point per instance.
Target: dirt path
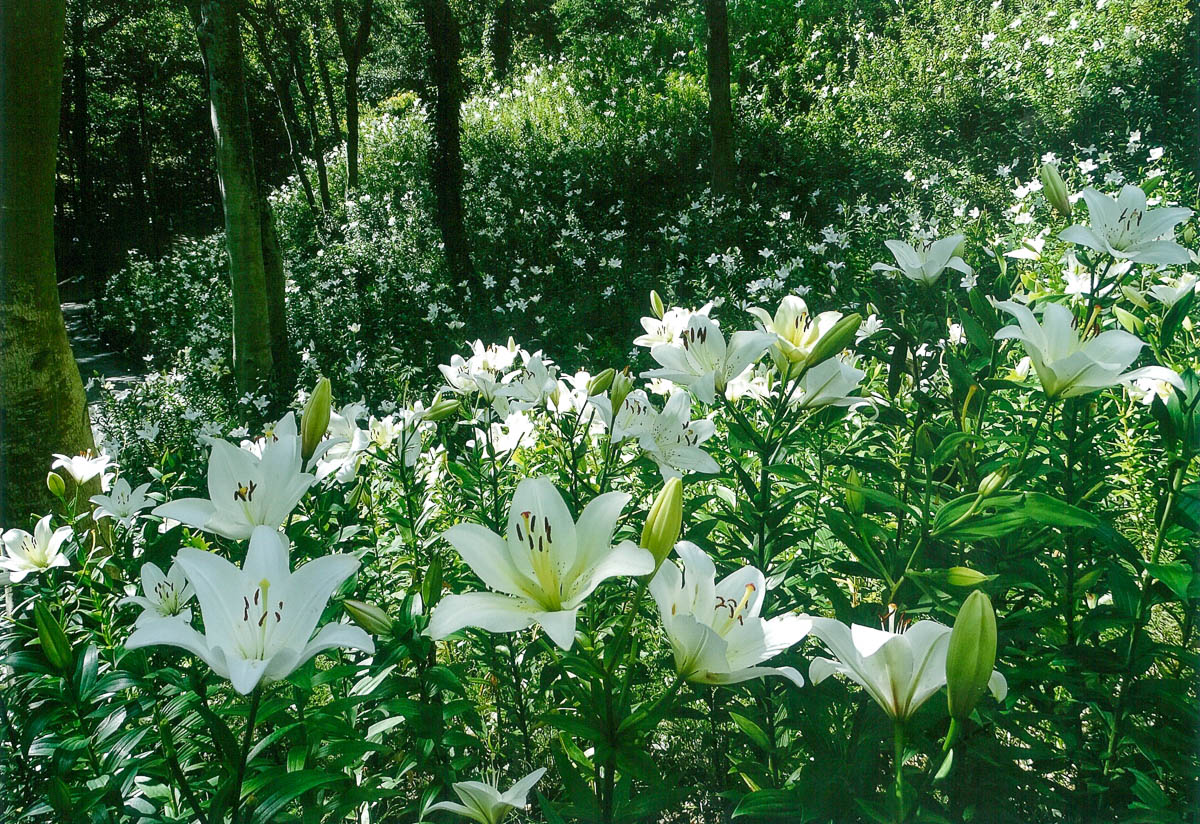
(93, 357)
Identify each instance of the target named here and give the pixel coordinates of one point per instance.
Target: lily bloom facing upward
(701, 361)
(245, 490)
(672, 439)
(542, 569)
(26, 554)
(163, 596)
(122, 503)
(258, 620)
(829, 383)
(1127, 230)
(798, 332)
(715, 630)
(484, 803)
(900, 670)
(925, 262)
(1069, 366)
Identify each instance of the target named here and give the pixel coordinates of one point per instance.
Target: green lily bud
(441, 409)
(56, 484)
(368, 616)
(1189, 234)
(314, 420)
(971, 654)
(1055, 190)
(657, 305)
(856, 503)
(923, 446)
(993, 482)
(960, 576)
(55, 644)
(600, 383)
(839, 337)
(622, 385)
(664, 521)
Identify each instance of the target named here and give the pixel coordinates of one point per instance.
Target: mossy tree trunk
(221, 49)
(43, 409)
(720, 109)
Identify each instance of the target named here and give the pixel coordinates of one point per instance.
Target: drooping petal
(559, 625)
(175, 633)
(194, 512)
(490, 611)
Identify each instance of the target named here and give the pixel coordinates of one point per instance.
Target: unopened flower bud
(961, 576)
(971, 654)
(55, 645)
(656, 304)
(1189, 234)
(600, 383)
(923, 443)
(56, 484)
(441, 409)
(622, 385)
(664, 521)
(856, 503)
(838, 338)
(1055, 190)
(993, 482)
(368, 616)
(314, 420)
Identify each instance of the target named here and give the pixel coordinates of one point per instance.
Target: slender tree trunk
(335, 123)
(720, 110)
(354, 46)
(446, 163)
(351, 128)
(85, 207)
(281, 351)
(317, 141)
(42, 405)
(221, 49)
(500, 39)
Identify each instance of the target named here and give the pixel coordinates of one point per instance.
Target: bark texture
(354, 42)
(720, 109)
(42, 405)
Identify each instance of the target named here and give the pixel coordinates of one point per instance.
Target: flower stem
(898, 730)
(247, 740)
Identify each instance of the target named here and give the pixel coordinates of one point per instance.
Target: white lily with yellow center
(672, 439)
(797, 331)
(702, 361)
(484, 803)
(258, 620)
(246, 490)
(1069, 366)
(716, 631)
(900, 670)
(1126, 229)
(542, 569)
(82, 467)
(122, 503)
(26, 554)
(163, 596)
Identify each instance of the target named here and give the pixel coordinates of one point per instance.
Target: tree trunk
(85, 207)
(351, 128)
(281, 352)
(317, 141)
(354, 48)
(335, 123)
(720, 110)
(500, 39)
(446, 163)
(221, 49)
(42, 405)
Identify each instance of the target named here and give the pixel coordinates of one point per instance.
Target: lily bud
(960, 576)
(835, 340)
(1189, 234)
(441, 409)
(993, 482)
(657, 305)
(622, 385)
(55, 644)
(923, 445)
(970, 655)
(856, 504)
(368, 616)
(314, 420)
(600, 383)
(56, 484)
(664, 521)
(1055, 190)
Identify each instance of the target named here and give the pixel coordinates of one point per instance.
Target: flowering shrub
(622, 593)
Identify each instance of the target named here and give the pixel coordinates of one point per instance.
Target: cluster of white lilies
(260, 621)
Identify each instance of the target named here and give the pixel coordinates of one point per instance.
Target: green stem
(898, 737)
(247, 739)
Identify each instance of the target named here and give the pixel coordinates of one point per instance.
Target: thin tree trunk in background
(317, 141)
(446, 163)
(720, 109)
(221, 49)
(500, 39)
(85, 207)
(354, 48)
(281, 351)
(43, 409)
(335, 123)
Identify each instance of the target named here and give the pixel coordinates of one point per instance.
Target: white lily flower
(484, 803)
(343, 450)
(163, 596)
(246, 491)
(82, 467)
(715, 630)
(1172, 291)
(533, 384)
(483, 371)
(516, 429)
(122, 504)
(673, 440)
(1126, 229)
(829, 383)
(633, 418)
(26, 554)
(900, 670)
(544, 566)
(701, 360)
(669, 328)
(258, 620)
(1068, 366)
(925, 262)
(796, 330)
